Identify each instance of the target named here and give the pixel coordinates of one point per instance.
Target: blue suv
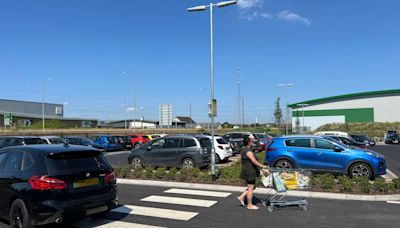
(108, 142)
(324, 154)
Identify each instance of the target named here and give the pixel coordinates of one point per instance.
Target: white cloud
(286, 15)
(247, 4)
(254, 15)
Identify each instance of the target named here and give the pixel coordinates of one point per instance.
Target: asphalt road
(392, 156)
(226, 212)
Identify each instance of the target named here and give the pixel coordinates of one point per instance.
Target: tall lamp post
(202, 8)
(285, 86)
(43, 82)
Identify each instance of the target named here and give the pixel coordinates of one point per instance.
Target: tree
(297, 123)
(278, 112)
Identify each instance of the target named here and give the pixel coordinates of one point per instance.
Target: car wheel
(19, 216)
(284, 164)
(217, 159)
(360, 170)
(188, 163)
(136, 162)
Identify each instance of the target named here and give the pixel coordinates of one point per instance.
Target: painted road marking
(198, 192)
(155, 212)
(105, 223)
(393, 202)
(179, 201)
(391, 174)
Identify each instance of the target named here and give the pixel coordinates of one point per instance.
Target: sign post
(7, 120)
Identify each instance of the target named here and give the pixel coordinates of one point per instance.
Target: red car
(264, 140)
(138, 140)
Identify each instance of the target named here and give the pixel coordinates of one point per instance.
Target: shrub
(346, 184)
(171, 174)
(122, 172)
(149, 171)
(381, 185)
(195, 172)
(185, 172)
(136, 173)
(315, 179)
(327, 181)
(364, 184)
(396, 183)
(161, 172)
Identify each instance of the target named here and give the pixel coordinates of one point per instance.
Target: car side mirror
(149, 148)
(338, 149)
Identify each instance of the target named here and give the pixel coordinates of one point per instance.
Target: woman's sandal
(253, 208)
(241, 201)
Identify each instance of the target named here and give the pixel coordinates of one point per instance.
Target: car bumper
(49, 211)
(380, 167)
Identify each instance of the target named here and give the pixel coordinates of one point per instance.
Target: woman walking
(249, 173)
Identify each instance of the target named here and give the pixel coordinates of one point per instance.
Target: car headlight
(373, 154)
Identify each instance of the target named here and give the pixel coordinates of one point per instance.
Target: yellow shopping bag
(290, 180)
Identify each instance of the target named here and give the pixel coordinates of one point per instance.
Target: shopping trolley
(280, 181)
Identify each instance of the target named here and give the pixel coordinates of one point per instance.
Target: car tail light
(220, 147)
(110, 178)
(269, 149)
(363, 146)
(46, 183)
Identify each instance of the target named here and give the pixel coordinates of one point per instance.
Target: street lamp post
(285, 86)
(202, 8)
(43, 102)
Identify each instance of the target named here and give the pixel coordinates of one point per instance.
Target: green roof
(347, 97)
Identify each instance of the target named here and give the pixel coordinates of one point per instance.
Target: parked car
(330, 133)
(138, 140)
(75, 140)
(348, 141)
(45, 184)
(320, 154)
(264, 139)
(236, 141)
(223, 151)
(123, 141)
(53, 139)
(364, 139)
(7, 141)
(392, 137)
(173, 151)
(108, 142)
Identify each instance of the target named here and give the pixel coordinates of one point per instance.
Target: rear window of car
(145, 137)
(235, 136)
(222, 141)
(32, 141)
(57, 141)
(189, 143)
(73, 162)
(204, 142)
(298, 142)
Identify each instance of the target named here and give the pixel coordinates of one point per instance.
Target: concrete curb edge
(260, 190)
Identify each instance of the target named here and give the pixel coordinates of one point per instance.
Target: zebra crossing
(167, 198)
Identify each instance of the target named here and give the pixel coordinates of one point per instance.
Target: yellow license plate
(86, 183)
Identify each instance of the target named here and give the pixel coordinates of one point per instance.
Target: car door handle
(319, 153)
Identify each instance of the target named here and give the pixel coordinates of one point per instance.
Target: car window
(57, 141)
(222, 141)
(75, 162)
(324, 144)
(13, 142)
(205, 142)
(2, 157)
(28, 162)
(158, 143)
(298, 142)
(32, 141)
(235, 136)
(14, 162)
(189, 143)
(171, 143)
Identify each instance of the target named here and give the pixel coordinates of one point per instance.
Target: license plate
(86, 183)
(96, 210)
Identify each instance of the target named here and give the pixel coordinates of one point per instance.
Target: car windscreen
(75, 162)
(86, 141)
(31, 141)
(205, 142)
(221, 141)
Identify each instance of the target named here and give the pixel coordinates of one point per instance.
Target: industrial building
(26, 113)
(375, 106)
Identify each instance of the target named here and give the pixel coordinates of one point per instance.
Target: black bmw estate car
(44, 184)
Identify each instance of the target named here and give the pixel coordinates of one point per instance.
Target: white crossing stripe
(155, 212)
(105, 223)
(198, 192)
(180, 201)
(393, 202)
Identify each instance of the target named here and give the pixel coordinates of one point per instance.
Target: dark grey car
(173, 151)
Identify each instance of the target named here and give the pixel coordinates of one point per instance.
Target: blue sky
(325, 47)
